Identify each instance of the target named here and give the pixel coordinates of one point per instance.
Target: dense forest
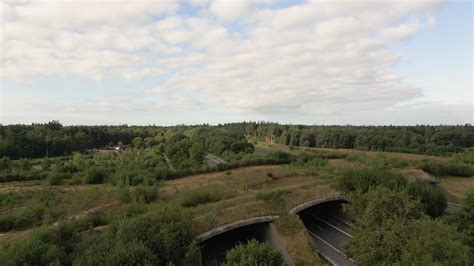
(433, 140)
(53, 139)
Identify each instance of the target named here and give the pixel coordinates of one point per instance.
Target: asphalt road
(328, 234)
(452, 207)
(213, 160)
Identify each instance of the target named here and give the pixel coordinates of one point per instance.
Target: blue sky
(167, 63)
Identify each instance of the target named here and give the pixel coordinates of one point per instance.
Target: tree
(392, 229)
(432, 198)
(381, 205)
(463, 221)
(137, 142)
(5, 163)
(308, 139)
(253, 253)
(196, 153)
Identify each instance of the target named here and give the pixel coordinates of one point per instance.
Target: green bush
(440, 169)
(160, 237)
(22, 218)
(463, 220)
(198, 197)
(92, 220)
(432, 198)
(145, 194)
(8, 199)
(95, 175)
(253, 253)
(41, 248)
(55, 178)
(362, 179)
(467, 156)
(5, 163)
(193, 255)
(124, 195)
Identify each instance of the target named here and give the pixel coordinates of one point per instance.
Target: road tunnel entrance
(329, 228)
(215, 246)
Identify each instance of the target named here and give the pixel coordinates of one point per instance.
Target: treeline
(53, 139)
(434, 140)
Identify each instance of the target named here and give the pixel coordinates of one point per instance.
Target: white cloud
(231, 10)
(319, 57)
(401, 31)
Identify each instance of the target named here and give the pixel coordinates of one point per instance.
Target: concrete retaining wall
(311, 203)
(227, 227)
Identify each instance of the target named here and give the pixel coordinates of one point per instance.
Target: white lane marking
(345, 223)
(340, 230)
(333, 247)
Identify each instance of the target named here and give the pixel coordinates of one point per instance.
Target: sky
(213, 61)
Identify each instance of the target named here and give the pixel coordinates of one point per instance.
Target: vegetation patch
(442, 169)
(254, 253)
(274, 194)
(202, 196)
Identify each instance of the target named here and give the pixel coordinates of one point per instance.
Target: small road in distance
(213, 160)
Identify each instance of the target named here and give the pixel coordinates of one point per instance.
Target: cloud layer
(265, 57)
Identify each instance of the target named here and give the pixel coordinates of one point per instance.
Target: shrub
(8, 199)
(167, 232)
(135, 209)
(438, 168)
(92, 220)
(75, 180)
(253, 253)
(467, 156)
(195, 198)
(128, 254)
(55, 179)
(5, 163)
(463, 220)
(95, 175)
(160, 237)
(42, 248)
(432, 198)
(22, 218)
(145, 194)
(124, 195)
(362, 179)
(193, 255)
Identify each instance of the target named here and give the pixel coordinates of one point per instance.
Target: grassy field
(222, 197)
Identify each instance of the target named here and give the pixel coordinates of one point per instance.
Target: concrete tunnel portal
(327, 226)
(215, 243)
(323, 219)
